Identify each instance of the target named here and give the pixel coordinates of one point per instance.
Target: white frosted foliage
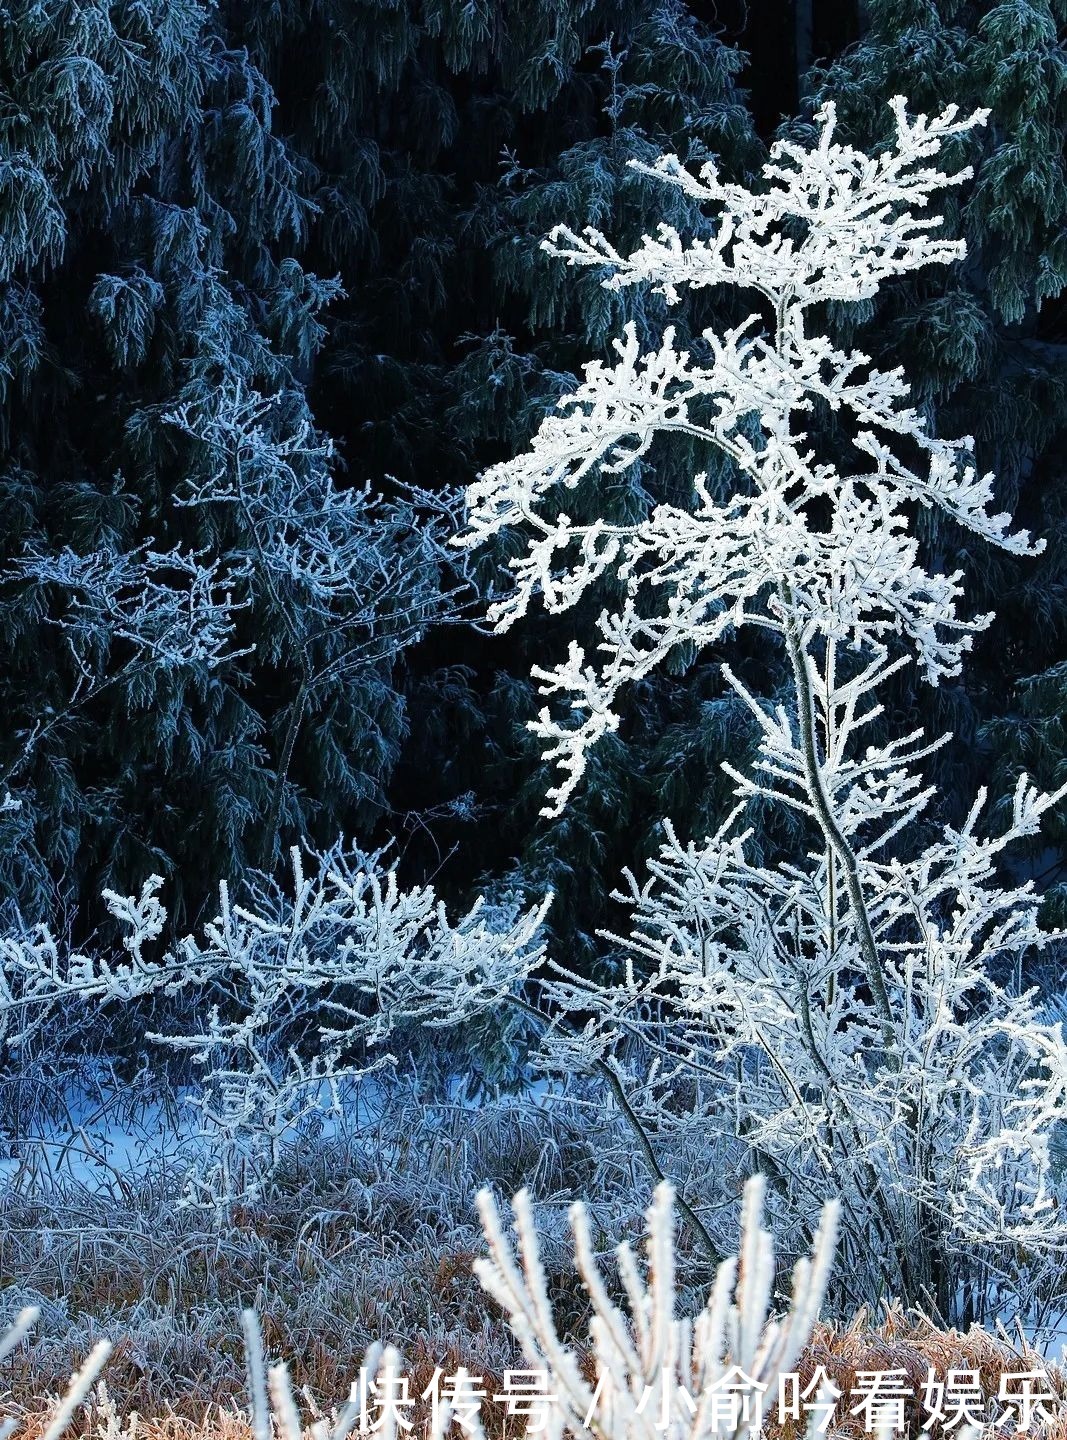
(840, 1019)
(657, 1372)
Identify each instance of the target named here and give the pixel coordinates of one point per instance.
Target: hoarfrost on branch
(835, 1018)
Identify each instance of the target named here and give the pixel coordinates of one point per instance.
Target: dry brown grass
(912, 1343)
(357, 1243)
(904, 1342)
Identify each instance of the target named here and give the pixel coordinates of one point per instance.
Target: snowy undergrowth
(348, 1258)
(362, 1236)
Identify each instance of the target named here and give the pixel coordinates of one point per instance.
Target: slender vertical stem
(644, 1144)
(827, 821)
(789, 328)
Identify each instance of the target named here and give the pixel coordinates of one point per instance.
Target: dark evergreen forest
(271, 292)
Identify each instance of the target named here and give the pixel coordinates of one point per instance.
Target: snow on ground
(98, 1147)
(102, 1144)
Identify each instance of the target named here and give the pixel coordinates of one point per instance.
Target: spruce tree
(150, 218)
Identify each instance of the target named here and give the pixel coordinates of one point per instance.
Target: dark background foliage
(336, 205)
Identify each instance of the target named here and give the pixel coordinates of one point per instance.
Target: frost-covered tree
(833, 1018)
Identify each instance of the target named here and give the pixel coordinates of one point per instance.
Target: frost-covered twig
(78, 1389)
(657, 1373)
(346, 579)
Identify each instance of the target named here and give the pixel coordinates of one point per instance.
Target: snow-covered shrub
(836, 1018)
(345, 578)
(297, 988)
